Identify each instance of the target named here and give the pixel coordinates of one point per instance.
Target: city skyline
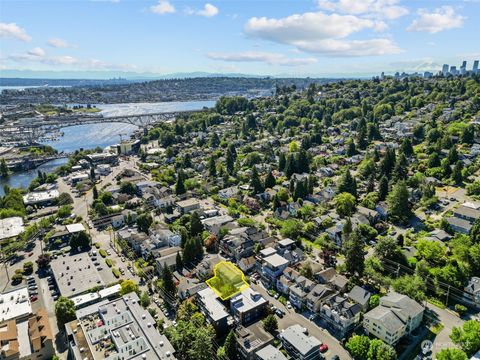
(305, 38)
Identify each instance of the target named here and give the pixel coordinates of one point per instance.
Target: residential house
(247, 306)
(299, 345)
(472, 291)
(252, 339)
(396, 316)
(165, 236)
(188, 205)
(317, 296)
(215, 313)
(269, 352)
(339, 315)
(299, 290)
(360, 296)
(272, 268)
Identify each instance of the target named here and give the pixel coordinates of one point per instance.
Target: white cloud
(163, 7)
(388, 9)
(12, 30)
(266, 57)
(322, 33)
(208, 11)
(58, 43)
(36, 52)
(442, 18)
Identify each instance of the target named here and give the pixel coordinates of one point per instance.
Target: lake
(102, 135)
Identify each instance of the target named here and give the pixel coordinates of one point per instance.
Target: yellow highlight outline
(226, 275)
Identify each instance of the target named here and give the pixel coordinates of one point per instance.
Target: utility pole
(448, 294)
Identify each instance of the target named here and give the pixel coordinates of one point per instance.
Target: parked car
(323, 348)
(335, 357)
(33, 298)
(32, 287)
(277, 295)
(289, 305)
(279, 313)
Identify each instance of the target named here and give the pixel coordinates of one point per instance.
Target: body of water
(99, 135)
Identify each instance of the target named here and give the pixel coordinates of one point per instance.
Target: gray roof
(390, 321)
(270, 352)
(303, 343)
(401, 303)
(359, 295)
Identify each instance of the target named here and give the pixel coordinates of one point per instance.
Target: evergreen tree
(230, 158)
(290, 166)
(301, 190)
(270, 181)
(398, 205)
(196, 226)
(351, 149)
(388, 162)
(167, 280)
(255, 182)
(383, 188)
(212, 167)
(180, 185)
(95, 192)
(407, 147)
(452, 155)
(468, 135)
(303, 163)
(179, 261)
(347, 183)
(3, 168)
(354, 254)
(457, 173)
(362, 142)
(230, 346)
(433, 160)
(446, 169)
(282, 161)
(371, 183)
(401, 168)
(189, 251)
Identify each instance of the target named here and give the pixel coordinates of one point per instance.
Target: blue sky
(267, 37)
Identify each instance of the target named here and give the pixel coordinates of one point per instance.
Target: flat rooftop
(15, 304)
(11, 227)
(215, 309)
(40, 196)
(75, 274)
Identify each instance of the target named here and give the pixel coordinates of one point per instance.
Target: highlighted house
(228, 280)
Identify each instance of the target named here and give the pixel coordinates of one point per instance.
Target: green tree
(412, 286)
(167, 280)
(128, 286)
(451, 354)
(178, 261)
(467, 336)
(80, 240)
(95, 192)
(65, 310)
(180, 185)
(212, 167)
(381, 351)
(354, 254)
(347, 183)
(196, 226)
(358, 346)
(230, 158)
(144, 300)
(3, 169)
(398, 205)
(383, 188)
(230, 346)
(144, 221)
(387, 248)
(457, 176)
(255, 182)
(270, 323)
(270, 181)
(345, 204)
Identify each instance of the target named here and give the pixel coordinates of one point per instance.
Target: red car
(323, 348)
(30, 254)
(33, 298)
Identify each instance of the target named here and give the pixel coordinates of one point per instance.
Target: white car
(289, 305)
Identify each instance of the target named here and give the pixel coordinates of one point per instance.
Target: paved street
(291, 318)
(449, 320)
